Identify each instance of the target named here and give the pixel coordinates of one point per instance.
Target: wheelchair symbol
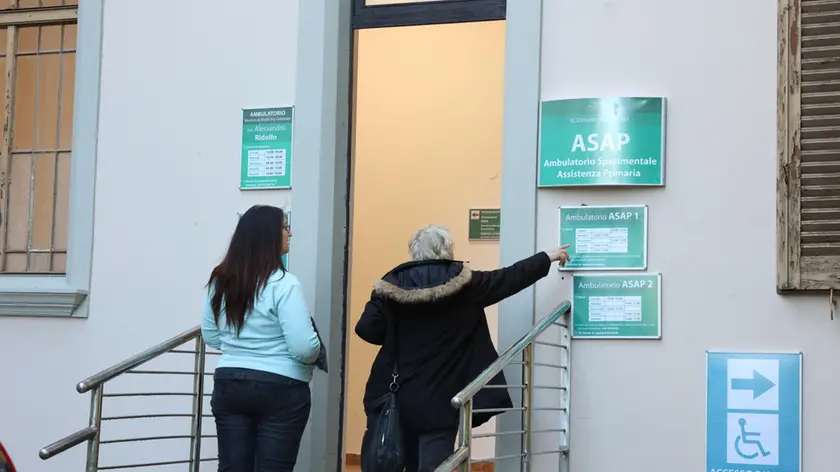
(744, 439)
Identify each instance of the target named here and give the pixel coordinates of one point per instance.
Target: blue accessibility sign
(753, 412)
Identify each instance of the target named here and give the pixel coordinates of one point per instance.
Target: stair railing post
(198, 404)
(92, 462)
(527, 392)
(566, 394)
(465, 434)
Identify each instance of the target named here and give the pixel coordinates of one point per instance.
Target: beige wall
(428, 147)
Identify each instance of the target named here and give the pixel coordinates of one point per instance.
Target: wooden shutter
(808, 179)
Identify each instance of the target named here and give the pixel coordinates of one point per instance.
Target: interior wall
(167, 197)
(427, 148)
(712, 228)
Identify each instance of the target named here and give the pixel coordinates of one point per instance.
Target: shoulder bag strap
(395, 385)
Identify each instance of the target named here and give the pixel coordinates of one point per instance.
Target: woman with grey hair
(428, 316)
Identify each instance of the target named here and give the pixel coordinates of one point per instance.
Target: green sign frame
(602, 237)
(285, 258)
(485, 224)
(267, 143)
(602, 142)
(625, 306)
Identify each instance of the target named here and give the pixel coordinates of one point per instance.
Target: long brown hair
(255, 252)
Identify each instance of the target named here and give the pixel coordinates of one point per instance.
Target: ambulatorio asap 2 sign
(602, 141)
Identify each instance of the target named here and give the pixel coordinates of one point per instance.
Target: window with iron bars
(38, 56)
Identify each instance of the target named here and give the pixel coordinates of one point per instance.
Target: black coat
(436, 308)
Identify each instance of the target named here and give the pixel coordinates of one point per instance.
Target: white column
(319, 192)
(519, 194)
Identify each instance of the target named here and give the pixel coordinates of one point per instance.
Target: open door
(427, 148)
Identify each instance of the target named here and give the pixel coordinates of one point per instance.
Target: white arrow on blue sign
(754, 412)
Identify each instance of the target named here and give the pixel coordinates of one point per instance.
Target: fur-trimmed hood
(423, 281)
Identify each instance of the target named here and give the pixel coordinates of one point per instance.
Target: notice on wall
(754, 412)
(605, 237)
(485, 224)
(285, 258)
(266, 148)
(617, 306)
(602, 141)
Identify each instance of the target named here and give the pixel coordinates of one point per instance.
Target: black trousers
(424, 452)
(260, 418)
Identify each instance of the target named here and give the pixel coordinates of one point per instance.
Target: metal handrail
(73, 440)
(463, 400)
(508, 355)
(137, 360)
(96, 383)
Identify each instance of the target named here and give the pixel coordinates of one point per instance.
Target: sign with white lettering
(753, 412)
(605, 237)
(266, 148)
(602, 141)
(617, 306)
(485, 224)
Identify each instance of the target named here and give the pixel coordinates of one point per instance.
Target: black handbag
(383, 447)
(321, 361)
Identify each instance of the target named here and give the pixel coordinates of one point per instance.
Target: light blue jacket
(278, 335)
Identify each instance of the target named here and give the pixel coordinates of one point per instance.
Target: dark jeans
(260, 418)
(424, 452)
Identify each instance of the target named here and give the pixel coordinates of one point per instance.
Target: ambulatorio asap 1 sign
(602, 141)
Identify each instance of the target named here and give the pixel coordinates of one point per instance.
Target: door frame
(432, 12)
(386, 16)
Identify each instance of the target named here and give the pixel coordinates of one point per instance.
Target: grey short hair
(431, 242)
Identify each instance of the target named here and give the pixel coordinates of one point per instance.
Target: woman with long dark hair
(256, 315)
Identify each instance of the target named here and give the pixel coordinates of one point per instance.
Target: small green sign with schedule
(266, 148)
(617, 306)
(604, 237)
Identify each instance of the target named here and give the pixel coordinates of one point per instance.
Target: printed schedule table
(601, 240)
(615, 308)
(266, 163)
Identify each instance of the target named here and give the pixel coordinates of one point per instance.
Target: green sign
(485, 224)
(266, 148)
(602, 141)
(288, 215)
(605, 237)
(617, 306)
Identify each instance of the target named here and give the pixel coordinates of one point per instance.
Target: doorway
(426, 148)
